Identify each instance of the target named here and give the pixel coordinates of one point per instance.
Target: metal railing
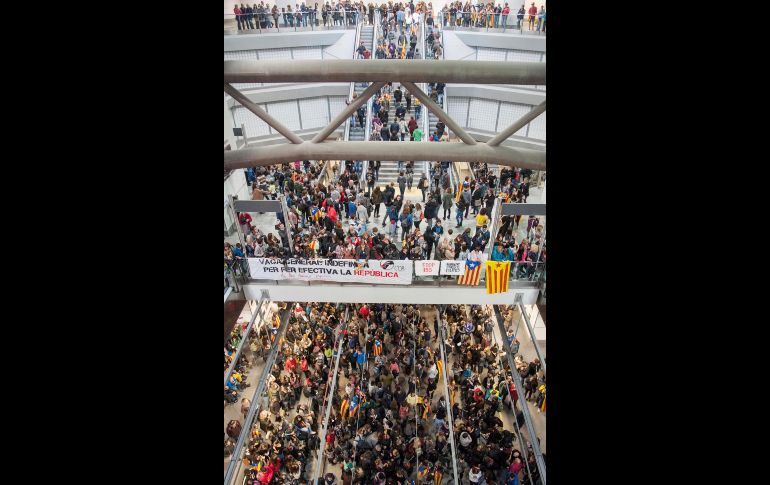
(261, 308)
(443, 337)
(524, 274)
(476, 21)
(533, 440)
(264, 22)
(329, 398)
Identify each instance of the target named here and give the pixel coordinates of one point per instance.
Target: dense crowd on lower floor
(389, 414)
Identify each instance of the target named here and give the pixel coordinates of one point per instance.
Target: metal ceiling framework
(407, 72)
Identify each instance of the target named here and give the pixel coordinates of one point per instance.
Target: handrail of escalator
(329, 396)
(353, 84)
(236, 460)
(261, 307)
(424, 86)
(368, 126)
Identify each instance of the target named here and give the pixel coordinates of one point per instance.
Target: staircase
(389, 169)
(367, 37)
(432, 120)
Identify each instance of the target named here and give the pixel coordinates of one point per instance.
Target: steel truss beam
(385, 150)
(347, 70)
(407, 72)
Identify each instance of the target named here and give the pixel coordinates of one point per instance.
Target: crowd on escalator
(482, 390)
(388, 416)
(280, 443)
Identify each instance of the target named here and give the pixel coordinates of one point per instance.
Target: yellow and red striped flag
(498, 273)
(472, 274)
(440, 367)
(437, 476)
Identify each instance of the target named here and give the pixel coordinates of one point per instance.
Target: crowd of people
(284, 434)
(329, 14)
(344, 221)
(481, 380)
(388, 421)
(340, 218)
(492, 16)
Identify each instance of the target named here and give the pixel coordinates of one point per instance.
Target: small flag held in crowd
(472, 274)
(498, 273)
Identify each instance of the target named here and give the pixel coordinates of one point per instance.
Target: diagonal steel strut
(517, 125)
(254, 108)
(429, 104)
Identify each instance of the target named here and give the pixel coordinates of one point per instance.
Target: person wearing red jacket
(513, 392)
(244, 219)
(364, 312)
(238, 16)
(412, 125)
(504, 13)
(532, 14)
(331, 213)
(290, 363)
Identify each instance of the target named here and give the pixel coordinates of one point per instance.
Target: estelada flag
(440, 367)
(472, 274)
(498, 273)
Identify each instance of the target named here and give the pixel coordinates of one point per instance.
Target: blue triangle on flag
(472, 264)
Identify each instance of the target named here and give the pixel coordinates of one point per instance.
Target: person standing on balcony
(541, 15)
(238, 16)
(520, 17)
(400, 19)
(250, 16)
(504, 15)
(532, 15)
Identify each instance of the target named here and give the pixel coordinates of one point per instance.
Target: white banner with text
(381, 272)
(452, 267)
(426, 267)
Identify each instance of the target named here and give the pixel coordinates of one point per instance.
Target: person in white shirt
(475, 474)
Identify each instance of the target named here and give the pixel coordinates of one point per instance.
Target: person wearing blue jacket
(351, 208)
(360, 357)
(392, 216)
(502, 254)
